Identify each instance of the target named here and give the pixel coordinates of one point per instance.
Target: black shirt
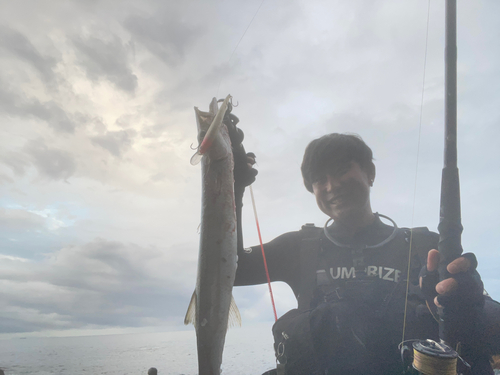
(367, 280)
(336, 263)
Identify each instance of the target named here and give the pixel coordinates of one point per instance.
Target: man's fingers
(459, 265)
(428, 276)
(432, 260)
(436, 302)
(446, 286)
(463, 288)
(250, 160)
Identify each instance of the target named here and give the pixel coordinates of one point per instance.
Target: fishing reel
(429, 357)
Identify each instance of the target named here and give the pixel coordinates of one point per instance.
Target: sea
(248, 351)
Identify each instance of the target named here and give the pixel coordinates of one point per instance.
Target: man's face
(343, 192)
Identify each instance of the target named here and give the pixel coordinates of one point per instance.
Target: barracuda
(212, 308)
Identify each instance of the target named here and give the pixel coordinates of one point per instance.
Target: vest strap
(309, 250)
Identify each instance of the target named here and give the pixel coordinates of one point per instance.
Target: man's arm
(462, 297)
(282, 258)
(251, 269)
(282, 254)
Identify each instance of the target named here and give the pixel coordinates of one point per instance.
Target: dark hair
(333, 150)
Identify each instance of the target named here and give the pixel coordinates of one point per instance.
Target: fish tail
(234, 318)
(191, 311)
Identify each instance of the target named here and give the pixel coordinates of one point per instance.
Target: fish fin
(234, 318)
(191, 311)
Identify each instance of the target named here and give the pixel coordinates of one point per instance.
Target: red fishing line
(263, 255)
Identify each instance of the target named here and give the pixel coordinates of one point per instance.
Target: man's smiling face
(343, 192)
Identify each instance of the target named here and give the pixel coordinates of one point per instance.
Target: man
(350, 278)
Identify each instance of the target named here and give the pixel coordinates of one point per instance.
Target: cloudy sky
(99, 206)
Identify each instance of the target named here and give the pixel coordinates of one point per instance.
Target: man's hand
(461, 302)
(244, 173)
(463, 287)
(251, 159)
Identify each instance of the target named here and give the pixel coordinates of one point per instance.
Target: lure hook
(230, 104)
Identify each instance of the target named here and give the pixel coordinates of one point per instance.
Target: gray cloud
(154, 131)
(5, 179)
(26, 234)
(51, 163)
(159, 177)
(102, 282)
(106, 59)
(116, 142)
(20, 46)
(20, 220)
(19, 105)
(166, 34)
(52, 113)
(15, 161)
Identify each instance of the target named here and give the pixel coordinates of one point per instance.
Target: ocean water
(248, 351)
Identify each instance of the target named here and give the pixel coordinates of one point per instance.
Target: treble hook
(230, 105)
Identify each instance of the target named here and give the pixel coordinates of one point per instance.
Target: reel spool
(433, 358)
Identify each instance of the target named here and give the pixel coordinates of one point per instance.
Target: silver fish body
(212, 307)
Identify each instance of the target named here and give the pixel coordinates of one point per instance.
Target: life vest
(296, 346)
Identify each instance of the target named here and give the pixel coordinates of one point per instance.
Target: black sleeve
(282, 257)
(492, 323)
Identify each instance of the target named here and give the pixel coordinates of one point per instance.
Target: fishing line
(251, 190)
(431, 357)
(426, 364)
(235, 48)
(416, 169)
(263, 254)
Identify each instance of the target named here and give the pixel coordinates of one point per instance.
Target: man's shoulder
(306, 231)
(292, 241)
(310, 230)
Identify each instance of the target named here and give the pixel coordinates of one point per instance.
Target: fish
(212, 308)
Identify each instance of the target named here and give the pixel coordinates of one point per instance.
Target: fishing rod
(430, 357)
(450, 222)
